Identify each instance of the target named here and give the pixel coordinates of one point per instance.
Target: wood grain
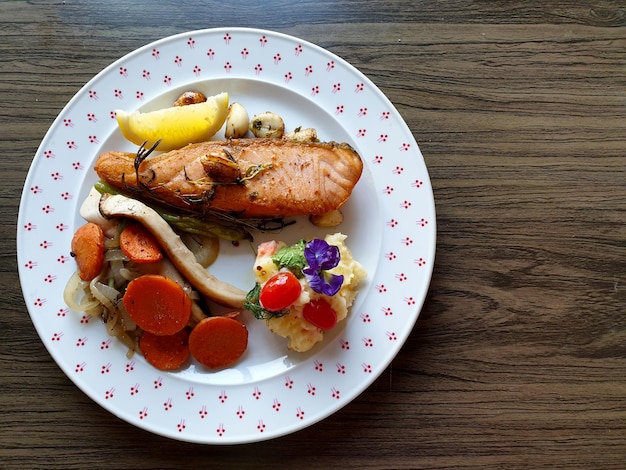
(519, 357)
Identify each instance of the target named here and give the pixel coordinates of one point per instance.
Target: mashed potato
(301, 334)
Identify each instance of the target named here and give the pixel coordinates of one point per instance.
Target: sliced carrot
(165, 352)
(139, 245)
(218, 341)
(157, 304)
(88, 250)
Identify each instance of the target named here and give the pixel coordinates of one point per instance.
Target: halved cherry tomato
(280, 291)
(319, 313)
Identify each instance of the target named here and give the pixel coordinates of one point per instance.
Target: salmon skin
(248, 178)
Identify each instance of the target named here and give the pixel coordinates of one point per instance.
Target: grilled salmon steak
(260, 178)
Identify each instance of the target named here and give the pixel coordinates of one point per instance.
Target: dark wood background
(519, 357)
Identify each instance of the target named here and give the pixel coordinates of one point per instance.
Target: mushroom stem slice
(181, 256)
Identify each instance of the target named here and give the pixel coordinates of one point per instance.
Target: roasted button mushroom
(308, 134)
(267, 125)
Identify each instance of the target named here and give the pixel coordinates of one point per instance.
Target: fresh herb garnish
(291, 258)
(253, 305)
(310, 259)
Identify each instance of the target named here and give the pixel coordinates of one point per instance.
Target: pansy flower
(321, 257)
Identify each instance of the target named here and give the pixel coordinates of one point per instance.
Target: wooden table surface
(518, 359)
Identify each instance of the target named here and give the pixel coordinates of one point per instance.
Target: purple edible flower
(321, 257)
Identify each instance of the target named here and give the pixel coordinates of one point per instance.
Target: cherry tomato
(319, 313)
(280, 291)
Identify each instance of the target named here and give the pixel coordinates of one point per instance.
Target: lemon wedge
(176, 126)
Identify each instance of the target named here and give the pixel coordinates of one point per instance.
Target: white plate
(390, 223)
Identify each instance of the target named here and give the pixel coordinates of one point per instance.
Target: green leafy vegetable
(291, 258)
(253, 305)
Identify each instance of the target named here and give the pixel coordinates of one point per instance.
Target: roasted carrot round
(88, 250)
(157, 304)
(139, 245)
(218, 341)
(165, 352)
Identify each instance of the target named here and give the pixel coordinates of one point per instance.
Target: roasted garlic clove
(220, 168)
(236, 122)
(329, 219)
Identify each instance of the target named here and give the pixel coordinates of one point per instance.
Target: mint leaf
(291, 258)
